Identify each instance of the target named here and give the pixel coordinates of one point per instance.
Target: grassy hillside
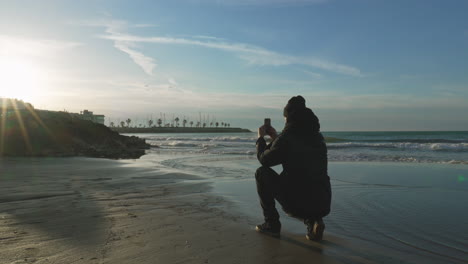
(47, 133)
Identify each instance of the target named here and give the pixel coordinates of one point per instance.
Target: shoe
(270, 228)
(315, 230)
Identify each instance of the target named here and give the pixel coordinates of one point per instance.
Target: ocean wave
(432, 147)
(431, 140)
(205, 139)
(335, 156)
(393, 158)
(231, 152)
(200, 145)
(329, 140)
(179, 144)
(344, 147)
(456, 162)
(457, 147)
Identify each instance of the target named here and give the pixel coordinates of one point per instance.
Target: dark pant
(269, 189)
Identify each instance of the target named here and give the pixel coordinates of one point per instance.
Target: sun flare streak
(2, 125)
(14, 115)
(39, 120)
(23, 129)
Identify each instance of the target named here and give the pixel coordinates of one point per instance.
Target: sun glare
(19, 79)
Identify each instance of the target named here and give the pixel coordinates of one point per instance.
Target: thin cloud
(250, 53)
(145, 62)
(261, 2)
(144, 25)
(168, 98)
(115, 28)
(34, 47)
(172, 81)
(313, 74)
(254, 55)
(208, 38)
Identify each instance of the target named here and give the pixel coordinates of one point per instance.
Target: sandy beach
(81, 210)
(78, 210)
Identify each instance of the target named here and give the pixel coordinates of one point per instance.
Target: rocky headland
(40, 133)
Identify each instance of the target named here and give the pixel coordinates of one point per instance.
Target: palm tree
(150, 123)
(122, 123)
(184, 122)
(204, 125)
(177, 121)
(211, 124)
(198, 124)
(159, 122)
(191, 123)
(128, 121)
(217, 124)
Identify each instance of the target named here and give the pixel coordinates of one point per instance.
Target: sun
(19, 79)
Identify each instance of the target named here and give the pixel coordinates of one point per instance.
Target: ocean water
(398, 197)
(417, 147)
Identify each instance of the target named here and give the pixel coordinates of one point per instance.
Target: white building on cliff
(88, 115)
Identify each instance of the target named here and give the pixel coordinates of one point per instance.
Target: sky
(361, 65)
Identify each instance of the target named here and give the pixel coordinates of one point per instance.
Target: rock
(60, 134)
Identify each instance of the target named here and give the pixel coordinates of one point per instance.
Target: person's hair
(300, 118)
(295, 103)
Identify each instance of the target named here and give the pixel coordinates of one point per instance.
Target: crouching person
(303, 187)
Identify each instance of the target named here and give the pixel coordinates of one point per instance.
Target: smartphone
(267, 122)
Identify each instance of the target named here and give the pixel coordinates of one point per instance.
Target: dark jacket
(305, 185)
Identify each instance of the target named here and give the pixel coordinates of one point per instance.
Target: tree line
(175, 122)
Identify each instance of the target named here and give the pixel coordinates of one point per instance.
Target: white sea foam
(205, 139)
(395, 149)
(180, 144)
(403, 146)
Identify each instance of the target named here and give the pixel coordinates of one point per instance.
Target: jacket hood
(302, 121)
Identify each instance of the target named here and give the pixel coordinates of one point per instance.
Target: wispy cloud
(145, 98)
(33, 47)
(208, 37)
(261, 2)
(141, 98)
(144, 25)
(116, 28)
(145, 62)
(254, 55)
(250, 53)
(315, 75)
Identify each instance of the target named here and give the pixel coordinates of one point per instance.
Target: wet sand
(382, 212)
(77, 210)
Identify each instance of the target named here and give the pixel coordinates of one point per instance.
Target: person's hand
(261, 131)
(271, 131)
